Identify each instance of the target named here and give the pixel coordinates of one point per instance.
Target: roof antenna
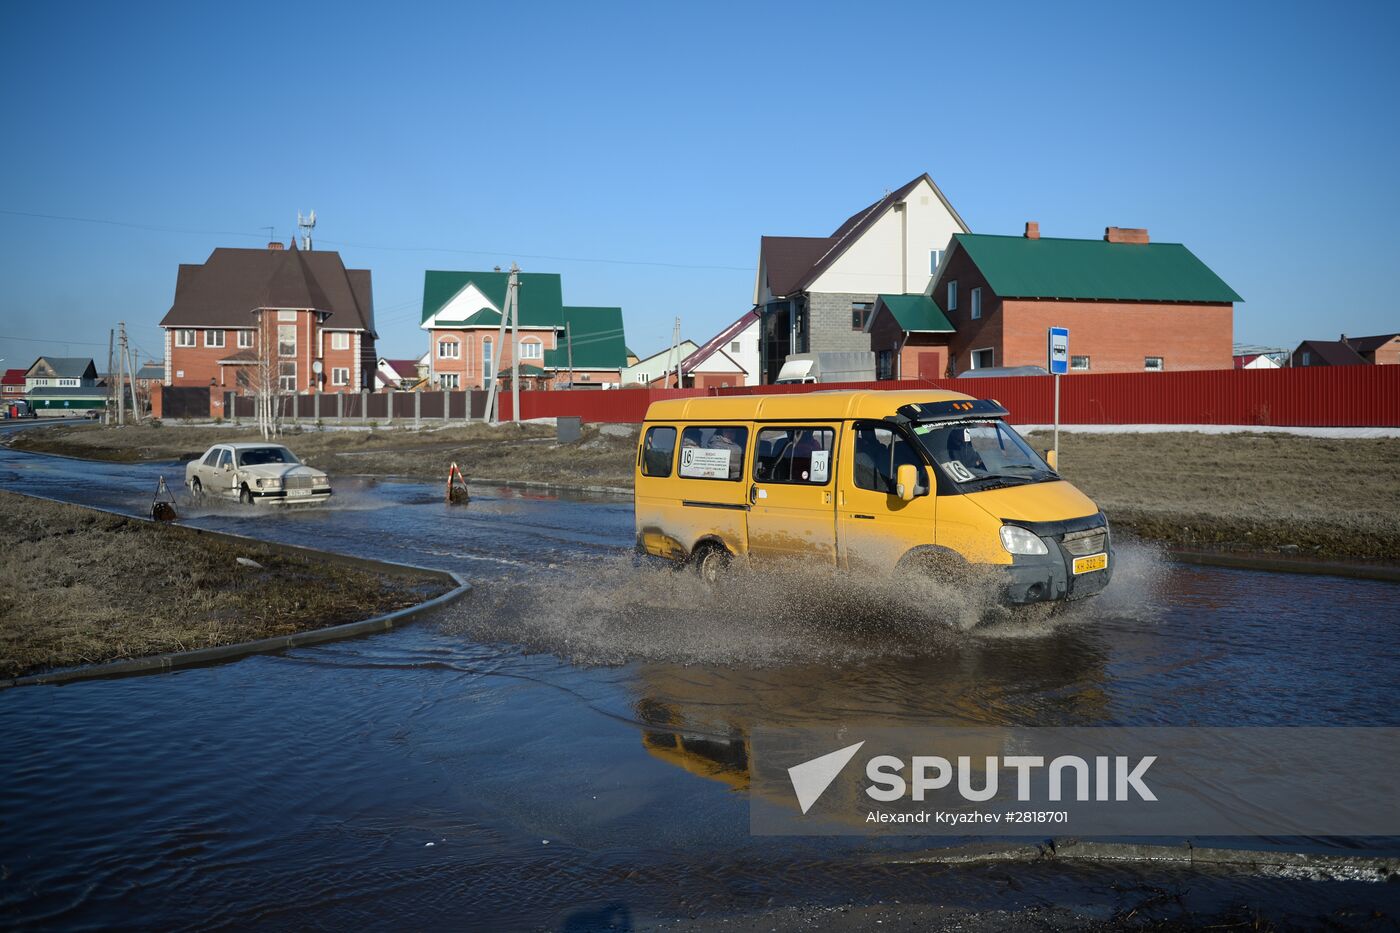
(271, 233)
(306, 225)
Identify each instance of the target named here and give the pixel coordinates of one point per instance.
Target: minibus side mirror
(1051, 458)
(906, 479)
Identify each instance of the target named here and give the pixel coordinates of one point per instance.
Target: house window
(952, 296)
(531, 350)
(1153, 364)
(286, 340)
(935, 256)
(340, 375)
(184, 338)
(486, 358)
(1307, 358)
(884, 364)
(245, 339)
(860, 313)
(643, 378)
(213, 338)
(976, 303)
(734, 347)
(449, 350)
(287, 376)
(286, 315)
(68, 382)
(450, 380)
(1079, 362)
(984, 359)
(340, 341)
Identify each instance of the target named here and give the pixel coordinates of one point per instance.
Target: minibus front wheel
(711, 562)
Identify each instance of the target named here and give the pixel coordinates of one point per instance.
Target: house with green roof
(561, 345)
(1130, 305)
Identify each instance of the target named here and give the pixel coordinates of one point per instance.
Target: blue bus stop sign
(1059, 350)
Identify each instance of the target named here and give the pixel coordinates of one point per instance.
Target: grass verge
(79, 586)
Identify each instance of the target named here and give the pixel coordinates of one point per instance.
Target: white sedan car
(254, 473)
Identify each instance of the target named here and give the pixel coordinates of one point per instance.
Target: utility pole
(121, 394)
(676, 349)
(111, 339)
(569, 340)
(514, 300)
(507, 313)
(131, 376)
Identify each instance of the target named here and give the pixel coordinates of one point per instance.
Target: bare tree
(266, 383)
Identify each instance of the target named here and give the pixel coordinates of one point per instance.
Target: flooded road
(567, 747)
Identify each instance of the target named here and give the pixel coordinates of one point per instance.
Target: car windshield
(982, 453)
(257, 456)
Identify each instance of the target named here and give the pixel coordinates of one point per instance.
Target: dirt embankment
(79, 586)
(509, 452)
(1323, 498)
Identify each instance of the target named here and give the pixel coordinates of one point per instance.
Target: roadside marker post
(457, 486)
(1059, 365)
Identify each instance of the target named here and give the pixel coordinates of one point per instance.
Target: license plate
(307, 492)
(1091, 563)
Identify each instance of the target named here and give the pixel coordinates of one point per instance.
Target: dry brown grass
(1332, 498)
(79, 586)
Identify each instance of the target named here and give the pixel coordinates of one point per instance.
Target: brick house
(304, 306)
(561, 346)
(1130, 305)
(816, 294)
(13, 385)
(1378, 350)
(909, 334)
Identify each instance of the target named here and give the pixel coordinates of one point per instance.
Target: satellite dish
(316, 367)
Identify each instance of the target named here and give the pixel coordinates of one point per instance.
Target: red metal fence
(1343, 396)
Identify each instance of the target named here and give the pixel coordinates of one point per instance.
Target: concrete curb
(198, 657)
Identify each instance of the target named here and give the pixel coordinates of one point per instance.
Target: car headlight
(1018, 540)
(270, 483)
(320, 480)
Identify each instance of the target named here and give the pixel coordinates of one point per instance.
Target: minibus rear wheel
(711, 562)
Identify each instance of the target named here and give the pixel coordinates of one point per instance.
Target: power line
(65, 340)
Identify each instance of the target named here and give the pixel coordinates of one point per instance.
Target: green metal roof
(597, 338)
(541, 294)
(916, 314)
(526, 369)
(1017, 267)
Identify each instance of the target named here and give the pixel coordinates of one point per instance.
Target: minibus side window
(794, 455)
(880, 452)
(713, 452)
(657, 451)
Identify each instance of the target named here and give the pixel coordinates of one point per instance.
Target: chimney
(1125, 234)
(275, 245)
(1032, 230)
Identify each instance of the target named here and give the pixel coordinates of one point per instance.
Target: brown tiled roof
(788, 259)
(1333, 352)
(1370, 344)
(231, 283)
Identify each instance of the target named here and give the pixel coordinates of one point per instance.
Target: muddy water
(517, 761)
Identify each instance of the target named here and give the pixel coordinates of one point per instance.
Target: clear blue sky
(1264, 136)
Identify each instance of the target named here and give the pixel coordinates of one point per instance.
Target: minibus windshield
(982, 454)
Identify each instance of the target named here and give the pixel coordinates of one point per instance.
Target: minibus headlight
(1018, 540)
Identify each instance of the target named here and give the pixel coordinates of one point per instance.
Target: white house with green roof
(561, 345)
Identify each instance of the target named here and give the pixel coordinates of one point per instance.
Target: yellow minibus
(864, 481)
